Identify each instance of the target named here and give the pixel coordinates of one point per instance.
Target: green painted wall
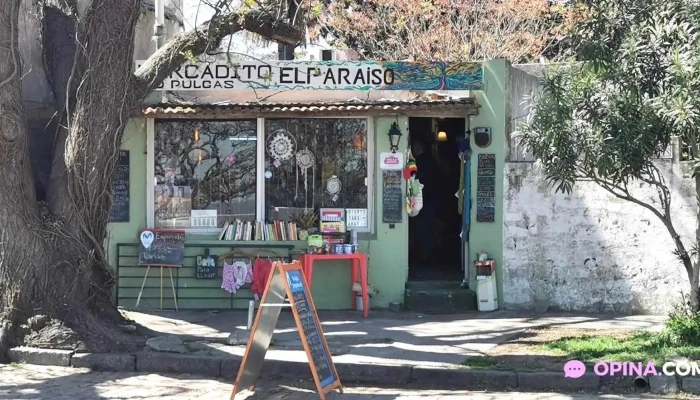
(134, 140)
(388, 252)
(488, 236)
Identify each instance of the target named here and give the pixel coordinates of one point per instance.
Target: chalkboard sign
(393, 200)
(120, 190)
(309, 322)
(287, 281)
(162, 247)
(205, 267)
(486, 188)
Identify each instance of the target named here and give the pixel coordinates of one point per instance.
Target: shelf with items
(246, 231)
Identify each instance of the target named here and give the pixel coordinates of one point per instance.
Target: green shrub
(682, 327)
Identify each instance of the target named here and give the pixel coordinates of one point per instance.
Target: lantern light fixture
(394, 137)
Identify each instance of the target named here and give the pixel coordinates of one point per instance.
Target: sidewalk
(387, 349)
(385, 337)
(35, 382)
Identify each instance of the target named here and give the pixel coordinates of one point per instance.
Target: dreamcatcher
(281, 146)
(333, 187)
(305, 160)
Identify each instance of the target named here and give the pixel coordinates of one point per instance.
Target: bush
(682, 327)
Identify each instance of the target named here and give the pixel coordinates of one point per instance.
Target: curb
(443, 378)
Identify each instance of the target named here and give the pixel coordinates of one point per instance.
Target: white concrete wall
(590, 251)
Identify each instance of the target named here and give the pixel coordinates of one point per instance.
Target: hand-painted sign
(162, 247)
(325, 75)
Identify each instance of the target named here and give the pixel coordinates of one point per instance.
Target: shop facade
(215, 157)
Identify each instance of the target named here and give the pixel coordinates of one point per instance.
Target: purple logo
(574, 369)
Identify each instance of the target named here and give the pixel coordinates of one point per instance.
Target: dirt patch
(526, 352)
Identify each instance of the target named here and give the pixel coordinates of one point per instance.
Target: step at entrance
(438, 297)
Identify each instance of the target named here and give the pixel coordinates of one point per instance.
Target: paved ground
(35, 382)
(386, 337)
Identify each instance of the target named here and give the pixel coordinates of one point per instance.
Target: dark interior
(434, 251)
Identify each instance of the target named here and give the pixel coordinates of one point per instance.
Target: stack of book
(276, 230)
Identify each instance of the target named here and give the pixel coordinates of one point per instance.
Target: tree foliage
(446, 30)
(628, 91)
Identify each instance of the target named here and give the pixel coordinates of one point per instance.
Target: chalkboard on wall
(162, 247)
(486, 188)
(206, 267)
(393, 201)
(120, 190)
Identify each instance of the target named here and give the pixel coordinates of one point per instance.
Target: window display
(204, 165)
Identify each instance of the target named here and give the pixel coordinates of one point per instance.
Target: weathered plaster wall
(590, 251)
(587, 251)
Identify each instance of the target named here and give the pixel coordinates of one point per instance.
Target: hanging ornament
(333, 187)
(281, 146)
(305, 160)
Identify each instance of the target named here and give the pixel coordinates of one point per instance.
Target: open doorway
(435, 248)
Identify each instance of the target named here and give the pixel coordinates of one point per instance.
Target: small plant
(682, 327)
(305, 219)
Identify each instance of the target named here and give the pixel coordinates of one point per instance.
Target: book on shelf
(237, 230)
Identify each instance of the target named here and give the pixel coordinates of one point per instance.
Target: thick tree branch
(208, 38)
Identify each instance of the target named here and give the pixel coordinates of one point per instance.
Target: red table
(358, 263)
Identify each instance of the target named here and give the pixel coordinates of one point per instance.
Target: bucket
(359, 306)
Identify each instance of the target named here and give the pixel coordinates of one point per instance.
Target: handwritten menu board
(206, 267)
(120, 190)
(166, 247)
(309, 323)
(286, 281)
(393, 201)
(486, 188)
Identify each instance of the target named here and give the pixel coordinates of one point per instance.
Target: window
(315, 163)
(208, 167)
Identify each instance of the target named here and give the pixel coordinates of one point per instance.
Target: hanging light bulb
(442, 136)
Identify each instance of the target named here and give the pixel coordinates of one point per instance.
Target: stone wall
(590, 251)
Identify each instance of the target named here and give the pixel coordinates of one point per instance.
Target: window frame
(260, 171)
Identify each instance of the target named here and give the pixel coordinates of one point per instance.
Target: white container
(486, 293)
(359, 306)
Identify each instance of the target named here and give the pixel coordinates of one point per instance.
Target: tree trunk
(52, 258)
(20, 249)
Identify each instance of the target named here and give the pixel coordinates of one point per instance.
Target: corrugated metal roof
(465, 104)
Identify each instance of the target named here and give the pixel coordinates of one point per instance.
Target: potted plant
(305, 221)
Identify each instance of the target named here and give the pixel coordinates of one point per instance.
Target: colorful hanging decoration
(414, 189)
(305, 160)
(228, 281)
(281, 146)
(333, 187)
